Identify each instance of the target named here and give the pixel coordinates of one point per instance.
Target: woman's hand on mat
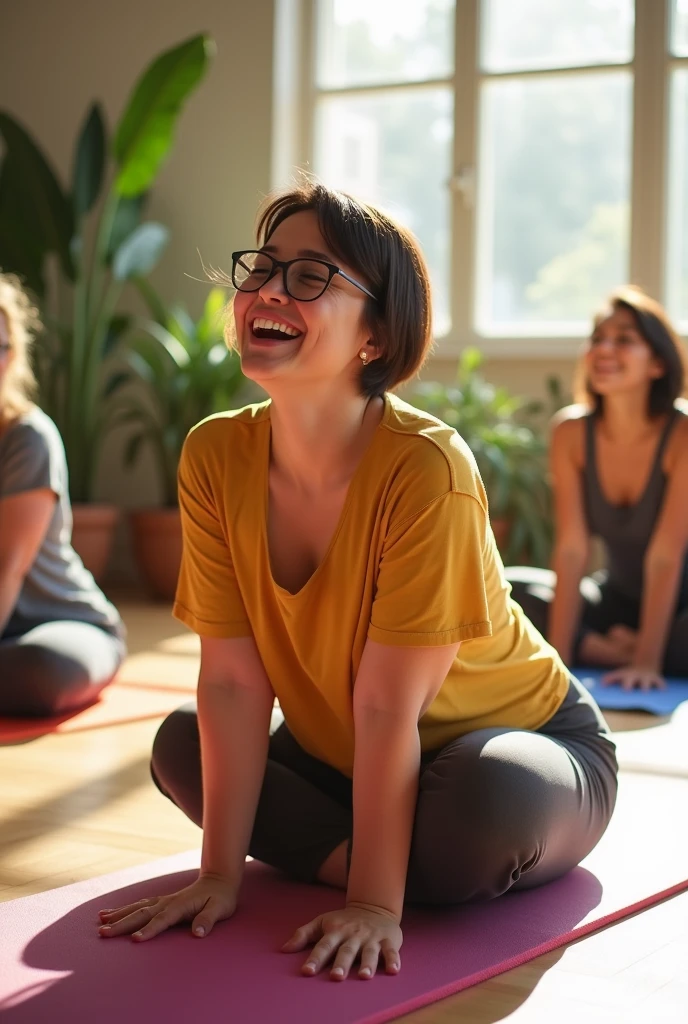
(204, 902)
(634, 677)
(344, 935)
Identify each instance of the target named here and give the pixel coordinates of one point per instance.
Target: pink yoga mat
(53, 967)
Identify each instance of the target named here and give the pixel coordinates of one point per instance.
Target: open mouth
(272, 330)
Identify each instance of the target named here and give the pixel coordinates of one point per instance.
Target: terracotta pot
(156, 535)
(501, 529)
(93, 532)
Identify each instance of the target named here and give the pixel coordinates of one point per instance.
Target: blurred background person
(619, 461)
(61, 640)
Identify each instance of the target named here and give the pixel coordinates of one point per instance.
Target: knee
(475, 835)
(47, 685)
(176, 743)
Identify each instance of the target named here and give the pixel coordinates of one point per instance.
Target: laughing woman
(338, 555)
(620, 472)
(61, 641)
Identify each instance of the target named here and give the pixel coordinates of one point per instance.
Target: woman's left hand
(355, 931)
(634, 677)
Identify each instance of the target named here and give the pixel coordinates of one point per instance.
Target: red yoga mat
(117, 704)
(53, 966)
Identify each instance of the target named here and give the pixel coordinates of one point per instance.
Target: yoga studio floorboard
(80, 803)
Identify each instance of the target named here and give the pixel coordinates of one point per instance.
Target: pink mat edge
(470, 980)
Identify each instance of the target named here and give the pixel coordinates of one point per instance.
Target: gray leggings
(56, 667)
(603, 607)
(497, 809)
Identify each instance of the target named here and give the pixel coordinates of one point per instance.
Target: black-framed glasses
(304, 279)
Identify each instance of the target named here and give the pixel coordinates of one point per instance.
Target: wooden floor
(82, 804)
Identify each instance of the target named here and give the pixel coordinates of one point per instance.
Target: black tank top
(626, 529)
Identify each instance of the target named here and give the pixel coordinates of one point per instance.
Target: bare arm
(235, 701)
(662, 566)
(394, 687)
(24, 522)
(572, 540)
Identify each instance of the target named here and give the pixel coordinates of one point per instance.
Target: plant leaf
(139, 253)
(118, 325)
(211, 326)
(89, 163)
(146, 130)
(116, 382)
(149, 295)
(174, 348)
(182, 326)
(125, 221)
(37, 192)
(133, 447)
(22, 251)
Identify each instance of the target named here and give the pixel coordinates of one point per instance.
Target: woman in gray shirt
(61, 640)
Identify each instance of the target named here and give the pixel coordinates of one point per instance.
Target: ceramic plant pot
(93, 532)
(156, 535)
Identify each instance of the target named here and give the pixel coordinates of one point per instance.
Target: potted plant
(188, 373)
(95, 230)
(501, 430)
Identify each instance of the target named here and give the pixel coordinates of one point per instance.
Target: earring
(363, 356)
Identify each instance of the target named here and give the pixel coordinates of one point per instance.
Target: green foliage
(188, 373)
(34, 205)
(511, 452)
(89, 163)
(145, 133)
(76, 357)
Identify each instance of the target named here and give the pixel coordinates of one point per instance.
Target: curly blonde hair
(18, 384)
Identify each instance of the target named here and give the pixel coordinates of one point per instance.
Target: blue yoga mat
(657, 702)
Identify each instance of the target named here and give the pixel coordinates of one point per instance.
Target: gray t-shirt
(57, 586)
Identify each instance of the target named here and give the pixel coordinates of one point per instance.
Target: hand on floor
(346, 934)
(634, 678)
(204, 902)
(617, 647)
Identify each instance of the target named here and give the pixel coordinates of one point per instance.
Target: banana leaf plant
(93, 227)
(188, 373)
(511, 451)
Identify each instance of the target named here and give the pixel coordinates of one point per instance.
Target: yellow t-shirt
(412, 562)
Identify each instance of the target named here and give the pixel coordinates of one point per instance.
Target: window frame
(650, 69)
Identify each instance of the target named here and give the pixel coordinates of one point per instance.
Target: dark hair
(389, 260)
(655, 327)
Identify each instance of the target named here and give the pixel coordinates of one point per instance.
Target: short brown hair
(387, 257)
(657, 331)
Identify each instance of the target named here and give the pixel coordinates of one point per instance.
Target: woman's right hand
(204, 902)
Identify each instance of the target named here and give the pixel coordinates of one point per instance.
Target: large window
(525, 143)
(554, 161)
(384, 116)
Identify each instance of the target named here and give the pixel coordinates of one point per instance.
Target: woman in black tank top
(619, 462)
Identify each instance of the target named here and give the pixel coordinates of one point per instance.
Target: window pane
(522, 34)
(679, 28)
(677, 263)
(553, 198)
(366, 42)
(394, 150)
